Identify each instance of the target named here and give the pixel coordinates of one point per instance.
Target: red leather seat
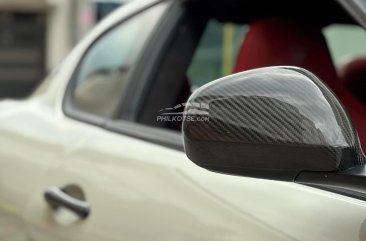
(278, 41)
(353, 77)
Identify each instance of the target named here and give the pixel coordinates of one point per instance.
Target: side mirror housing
(272, 123)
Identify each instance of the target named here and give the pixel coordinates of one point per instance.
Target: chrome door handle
(56, 198)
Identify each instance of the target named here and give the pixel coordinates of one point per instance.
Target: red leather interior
(278, 41)
(353, 77)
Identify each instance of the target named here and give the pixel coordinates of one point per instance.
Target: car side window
(216, 52)
(204, 52)
(103, 73)
(346, 42)
(348, 49)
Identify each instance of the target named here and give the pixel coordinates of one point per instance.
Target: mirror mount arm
(352, 180)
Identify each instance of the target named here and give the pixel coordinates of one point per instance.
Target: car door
(37, 139)
(140, 190)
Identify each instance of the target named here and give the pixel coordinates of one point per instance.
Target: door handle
(56, 198)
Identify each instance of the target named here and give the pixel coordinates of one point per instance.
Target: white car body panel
(143, 191)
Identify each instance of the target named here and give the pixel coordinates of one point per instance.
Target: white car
(96, 153)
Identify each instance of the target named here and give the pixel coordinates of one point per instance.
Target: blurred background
(35, 35)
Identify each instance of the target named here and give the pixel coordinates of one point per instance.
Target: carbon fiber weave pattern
(284, 107)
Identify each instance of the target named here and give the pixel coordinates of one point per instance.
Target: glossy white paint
(142, 191)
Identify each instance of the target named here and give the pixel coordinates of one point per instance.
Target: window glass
(346, 42)
(103, 73)
(216, 53)
(202, 51)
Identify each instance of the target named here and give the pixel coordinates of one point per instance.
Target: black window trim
(67, 107)
(163, 137)
(167, 138)
(150, 61)
(123, 121)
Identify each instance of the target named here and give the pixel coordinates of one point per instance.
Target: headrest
(279, 41)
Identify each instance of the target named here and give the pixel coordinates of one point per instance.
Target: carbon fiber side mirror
(269, 123)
